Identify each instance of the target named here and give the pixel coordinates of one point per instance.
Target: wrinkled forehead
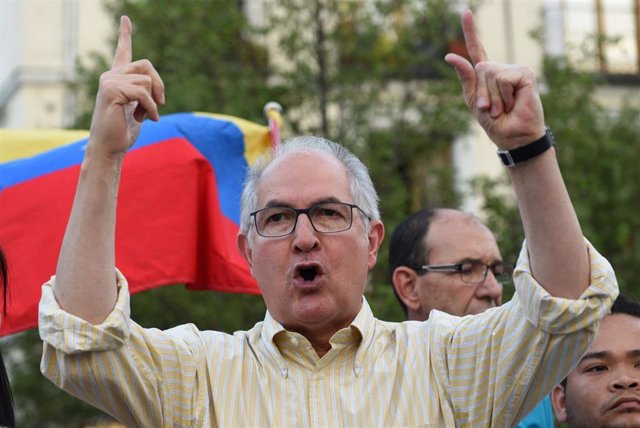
(304, 177)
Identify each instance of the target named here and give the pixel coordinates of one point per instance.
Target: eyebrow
(634, 353)
(474, 260)
(595, 355)
(278, 203)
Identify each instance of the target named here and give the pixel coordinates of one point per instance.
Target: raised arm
(85, 277)
(504, 100)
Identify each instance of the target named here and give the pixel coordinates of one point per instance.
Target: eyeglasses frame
(457, 268)
(306, 211)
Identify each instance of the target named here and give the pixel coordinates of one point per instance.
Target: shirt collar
(361, 330)
(362, 324)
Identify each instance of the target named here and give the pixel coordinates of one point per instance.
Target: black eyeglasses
(327, 217)
(472, 272)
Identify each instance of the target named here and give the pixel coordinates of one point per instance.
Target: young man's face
(604, 389)
(311, 281)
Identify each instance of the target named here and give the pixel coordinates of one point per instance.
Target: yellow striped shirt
(477, 371)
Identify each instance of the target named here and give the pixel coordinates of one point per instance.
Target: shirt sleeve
(142, 377)
(499, 364)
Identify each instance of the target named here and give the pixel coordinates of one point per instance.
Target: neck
(322, 349)
(417, 316)
(319, 340)
(320, 333)
(320, 337)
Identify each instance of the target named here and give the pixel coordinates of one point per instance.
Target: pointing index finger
(123, 53)
(475, 48)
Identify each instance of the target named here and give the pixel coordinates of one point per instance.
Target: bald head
(443, 237)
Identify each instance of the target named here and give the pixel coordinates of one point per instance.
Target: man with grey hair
(311, 233)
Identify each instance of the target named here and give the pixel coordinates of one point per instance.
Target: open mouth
(308, 273)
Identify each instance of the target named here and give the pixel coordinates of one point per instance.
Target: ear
(558, 402)
(405, 281)
(242, 241)
(375, 235)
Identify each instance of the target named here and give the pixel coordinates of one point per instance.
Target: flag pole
(273, 112)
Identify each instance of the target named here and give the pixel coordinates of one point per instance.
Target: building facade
(40, 44)
(42, 41)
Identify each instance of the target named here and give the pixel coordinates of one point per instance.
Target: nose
(490, 288)
(623, 380)
(304, 236)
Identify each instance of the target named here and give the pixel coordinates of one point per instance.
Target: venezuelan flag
(178, 209)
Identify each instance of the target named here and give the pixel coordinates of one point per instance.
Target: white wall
(40, 41)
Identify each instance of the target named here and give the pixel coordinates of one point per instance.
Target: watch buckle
(506, 158)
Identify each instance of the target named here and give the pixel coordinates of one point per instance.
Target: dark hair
(406, 247)
(6, 398)
(624, 304)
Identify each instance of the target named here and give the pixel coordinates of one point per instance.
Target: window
(617, 22)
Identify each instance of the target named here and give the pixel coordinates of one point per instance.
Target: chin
(480, 308)
(623, 420)
(630, 419)
(313, 308)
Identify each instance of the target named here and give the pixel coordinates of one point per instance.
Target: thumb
(466, 74)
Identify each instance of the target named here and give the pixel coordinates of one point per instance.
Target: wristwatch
(524, 153)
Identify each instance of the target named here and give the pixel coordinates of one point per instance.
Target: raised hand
(128, 92)
(502, 97)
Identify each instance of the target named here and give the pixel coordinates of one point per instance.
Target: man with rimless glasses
(310, 231)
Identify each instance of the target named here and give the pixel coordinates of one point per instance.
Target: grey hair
(362, 189)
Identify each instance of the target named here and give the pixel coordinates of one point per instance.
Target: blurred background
(366, 73)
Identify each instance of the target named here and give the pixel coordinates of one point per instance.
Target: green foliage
(170, 306)
(204, 51)
(597, 151)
